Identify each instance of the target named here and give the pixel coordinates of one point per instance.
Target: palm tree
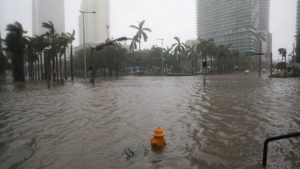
(63, 42)
(16, 44)
(40, 45)
(141, 33)
(191, 53)
(167, 52)
(222, 58)
(71, 38)
(282, 52)
(31, 58)
(3, 59)
(51, 34)
(203, 49)
(212, 46)
(133, 44)
(179, 50)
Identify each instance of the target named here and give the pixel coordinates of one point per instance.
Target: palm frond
(145, 36)
(133, 26)
(141, 24)
(147, 29)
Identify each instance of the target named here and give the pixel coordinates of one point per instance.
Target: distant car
(246, 71)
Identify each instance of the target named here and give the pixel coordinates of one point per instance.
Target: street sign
(250, 53)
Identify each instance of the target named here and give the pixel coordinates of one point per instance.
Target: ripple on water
(220, 125)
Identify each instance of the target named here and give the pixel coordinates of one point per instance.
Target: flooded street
(80, 126)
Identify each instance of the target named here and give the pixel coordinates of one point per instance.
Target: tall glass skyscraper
(298, 33)
(237, 22)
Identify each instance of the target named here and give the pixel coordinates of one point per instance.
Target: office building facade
(298, 33)
(48, 10)
(241, 23)
(96, 25)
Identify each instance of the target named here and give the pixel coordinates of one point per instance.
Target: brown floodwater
(81, 126)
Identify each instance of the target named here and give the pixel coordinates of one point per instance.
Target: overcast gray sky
(166, 18)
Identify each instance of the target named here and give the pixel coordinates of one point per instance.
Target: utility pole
(83, 29)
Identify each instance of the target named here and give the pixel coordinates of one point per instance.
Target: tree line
(179, 58)
(40, 55)
(44, 56)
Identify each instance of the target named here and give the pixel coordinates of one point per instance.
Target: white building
(96, 25)
(48, 10)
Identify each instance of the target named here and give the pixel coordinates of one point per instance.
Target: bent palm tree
(191, 53)
(16, 44)
(133, 44)
(282, 52)
(71, 38)
(179, 50)
(141, 33)
(40, 45)
(51, 34)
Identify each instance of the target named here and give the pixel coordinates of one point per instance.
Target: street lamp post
(83, 29)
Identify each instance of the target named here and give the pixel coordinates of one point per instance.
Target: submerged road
(80, 126)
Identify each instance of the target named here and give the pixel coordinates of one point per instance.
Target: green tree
(141, 33)
(211, 45)
(15, 45)
(191, 53)
(31, 58)
(51, 36)
(282, 52)
(3, 59)
(179, 51)
(71, 37)
(63, 41)
(40, 43)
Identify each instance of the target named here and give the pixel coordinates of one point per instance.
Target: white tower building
(96, 25)
(48, 10)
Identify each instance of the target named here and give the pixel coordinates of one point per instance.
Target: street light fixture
(84, 54)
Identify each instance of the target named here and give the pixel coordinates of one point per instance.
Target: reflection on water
(222, 125)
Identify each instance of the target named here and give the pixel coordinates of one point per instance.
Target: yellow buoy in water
(158, 138)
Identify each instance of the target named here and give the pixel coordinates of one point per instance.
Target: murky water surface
(80, 126)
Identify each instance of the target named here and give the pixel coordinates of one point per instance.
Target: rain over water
(220, 125)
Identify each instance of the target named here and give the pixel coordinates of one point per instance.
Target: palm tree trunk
(60, 68)
(53, 67)
(140, 56)
(45, 66)
(211, 62)
(41, 66)
(56, 66)
(71, 66)
(35, 70)
(65, 65)
(192, 65)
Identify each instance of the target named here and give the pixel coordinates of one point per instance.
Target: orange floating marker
(158, 138)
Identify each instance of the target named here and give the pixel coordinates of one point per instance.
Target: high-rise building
(240, 23)
(48, 10)
(298, 17)
(298, 33)
(96, 25)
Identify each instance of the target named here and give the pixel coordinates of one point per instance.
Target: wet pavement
(220, 125)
